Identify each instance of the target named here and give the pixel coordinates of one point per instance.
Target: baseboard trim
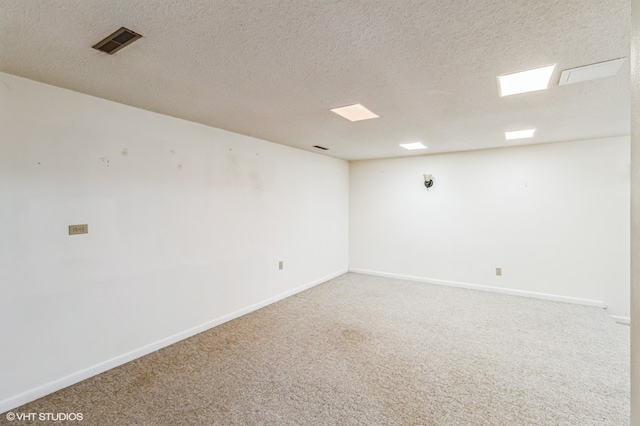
(71, 379)
(512, 292)
(621, 320)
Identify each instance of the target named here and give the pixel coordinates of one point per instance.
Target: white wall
(186, 227)
(554, 217)
(635, 212)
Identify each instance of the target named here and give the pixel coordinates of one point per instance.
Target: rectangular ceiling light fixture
(116, 41)
(412, 146)
(525, 81)
(591, 72)
(520, 134)
(355, 112)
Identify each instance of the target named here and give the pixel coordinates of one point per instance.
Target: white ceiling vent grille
(116, 41)
(591, 72)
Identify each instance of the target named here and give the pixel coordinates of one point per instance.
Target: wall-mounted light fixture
(428, 181)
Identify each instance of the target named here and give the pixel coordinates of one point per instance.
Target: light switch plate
(78, 229)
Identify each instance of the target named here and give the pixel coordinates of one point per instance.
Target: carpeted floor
(375, 351)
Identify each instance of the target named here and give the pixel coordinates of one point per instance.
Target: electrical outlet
(281, 265)
(78, 229)
(499, 272)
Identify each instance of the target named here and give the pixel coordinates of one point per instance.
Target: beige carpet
(375, 351)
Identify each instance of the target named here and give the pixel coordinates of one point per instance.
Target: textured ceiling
(272, 69)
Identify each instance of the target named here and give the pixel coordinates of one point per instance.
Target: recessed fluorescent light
(355, 112)
(520, 134)
(525, 81)
(591, 72)
(412, 146)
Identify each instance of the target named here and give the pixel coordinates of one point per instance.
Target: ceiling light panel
(525, 81)
(412, 146)
(355, 112)
(520, 134)
(591, 72)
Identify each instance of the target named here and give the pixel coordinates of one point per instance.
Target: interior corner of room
(183, 225)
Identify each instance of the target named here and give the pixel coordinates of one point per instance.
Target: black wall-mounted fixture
(428, 181)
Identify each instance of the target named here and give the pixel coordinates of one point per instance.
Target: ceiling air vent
(321, 147)
(116, 41)
(591, 72)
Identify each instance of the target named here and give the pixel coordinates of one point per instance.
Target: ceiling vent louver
(116, 41)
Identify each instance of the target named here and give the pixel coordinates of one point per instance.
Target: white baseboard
(63, 382)
(621, 320)
(513, 292)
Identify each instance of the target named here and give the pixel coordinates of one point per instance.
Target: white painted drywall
(554, 217)
(635, 212)
(187, 225)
